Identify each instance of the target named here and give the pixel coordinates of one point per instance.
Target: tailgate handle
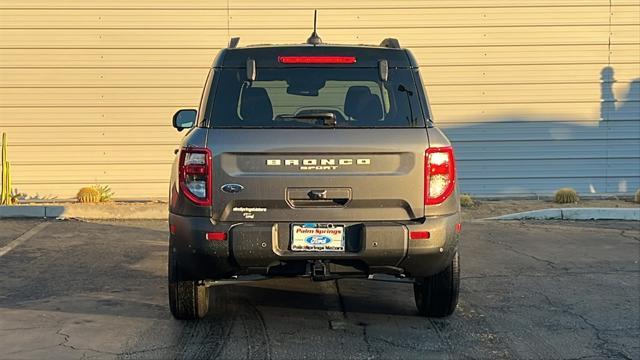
(317, 194)
(311, 198)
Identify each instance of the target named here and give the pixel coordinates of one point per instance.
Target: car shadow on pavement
(92, 268)
(364, 296)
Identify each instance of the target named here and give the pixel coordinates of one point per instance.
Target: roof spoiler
(390, 43)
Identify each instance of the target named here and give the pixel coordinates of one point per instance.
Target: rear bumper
(263, 248)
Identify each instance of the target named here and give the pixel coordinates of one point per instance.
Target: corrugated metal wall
(535, 94)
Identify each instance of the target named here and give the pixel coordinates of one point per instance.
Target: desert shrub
(566, 196)
(88, 195)
(466, 201)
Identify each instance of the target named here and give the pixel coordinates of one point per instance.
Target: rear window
(291, 97)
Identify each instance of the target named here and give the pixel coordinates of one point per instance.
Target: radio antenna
(314, 39)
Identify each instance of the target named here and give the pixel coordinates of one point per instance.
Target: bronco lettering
(324, 162)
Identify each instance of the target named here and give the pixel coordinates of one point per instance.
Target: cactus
(637, 197)
(566, 196)
(105, 192)
(88, 195)
(5, 192)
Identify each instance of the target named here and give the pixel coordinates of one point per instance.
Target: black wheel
(437, 295)
(188, 299)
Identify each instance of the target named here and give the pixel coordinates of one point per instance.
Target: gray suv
(318, 161)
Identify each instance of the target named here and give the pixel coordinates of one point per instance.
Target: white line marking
(22, 238)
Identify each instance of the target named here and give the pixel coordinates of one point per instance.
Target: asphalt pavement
(531, 290)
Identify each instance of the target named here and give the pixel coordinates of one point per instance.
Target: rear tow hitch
(318, 270)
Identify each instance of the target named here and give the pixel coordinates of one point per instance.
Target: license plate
(317, 237)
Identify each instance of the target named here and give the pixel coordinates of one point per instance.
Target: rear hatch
(318, 174)
(316, 138)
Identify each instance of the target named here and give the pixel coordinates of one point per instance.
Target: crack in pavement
(624, 235)
(337, 319)
(509, 247)
(340, 300)
(372, 352)
(65, 343)
(127, 354)
(365, 337)
(603, 345)
(506, 246)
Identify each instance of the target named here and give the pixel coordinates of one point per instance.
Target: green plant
(106, 194)
(636, 198)
(37, 196)
(6, 194)
(566, 196)
(88, 195)
(15, 196)
(466, 201)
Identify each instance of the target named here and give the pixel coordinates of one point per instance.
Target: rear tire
(437, 295)
(188, 299)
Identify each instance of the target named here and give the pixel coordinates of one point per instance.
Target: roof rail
(390, 43)
(233, 43)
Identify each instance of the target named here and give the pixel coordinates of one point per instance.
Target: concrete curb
(23, 212)
(106, 211)
(627, 214)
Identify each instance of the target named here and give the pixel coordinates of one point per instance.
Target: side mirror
(184, 119)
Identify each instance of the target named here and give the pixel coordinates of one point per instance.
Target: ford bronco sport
(313, 160)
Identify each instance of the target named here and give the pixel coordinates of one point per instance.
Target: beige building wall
(88, 88)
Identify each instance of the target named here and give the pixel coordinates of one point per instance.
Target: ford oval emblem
(318, 240)
(232, 188)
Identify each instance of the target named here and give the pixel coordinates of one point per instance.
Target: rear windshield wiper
(328, 118)
(409, 93)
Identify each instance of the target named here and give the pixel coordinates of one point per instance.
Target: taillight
(216, 236)
(316, 59)
(195, 175)
(419, 235)
(440, 175)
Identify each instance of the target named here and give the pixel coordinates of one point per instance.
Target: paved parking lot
(75, 289)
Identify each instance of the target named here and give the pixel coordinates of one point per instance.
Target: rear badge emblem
(232, 188)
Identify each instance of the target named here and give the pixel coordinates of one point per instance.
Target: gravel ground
(489, 208)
